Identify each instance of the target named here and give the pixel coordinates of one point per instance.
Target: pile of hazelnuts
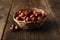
(14, 28)
(29, 15)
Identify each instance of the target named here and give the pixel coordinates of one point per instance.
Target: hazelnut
(19, 15)
(20, 18)
(27, 19)
(17, 18)
(33, 18)
(36, 14)
(12, 27)
(30, 12)
(23, 17)
(22, 14)
(26, 13)
(39, 18)
(39, 14)
(44, 15)
(19, 11)
(16, 28)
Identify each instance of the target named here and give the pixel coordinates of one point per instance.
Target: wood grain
(49, 26)
(55, 19)
(48, 30)
(4, 9)
(55, 6)
(21, 35)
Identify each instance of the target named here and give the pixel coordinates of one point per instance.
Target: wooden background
(50, 30)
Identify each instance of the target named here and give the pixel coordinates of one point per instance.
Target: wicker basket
(30, 24)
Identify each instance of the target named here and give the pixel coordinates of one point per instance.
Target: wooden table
(50, 30)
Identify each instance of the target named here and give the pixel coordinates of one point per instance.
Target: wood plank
(37, 34)
(55, 35)
(4, 9)
(48, 30)
(21, 35)
(55, 6)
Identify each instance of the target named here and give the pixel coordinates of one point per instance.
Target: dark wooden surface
(55, 6)
(48, 31)
(4, 9)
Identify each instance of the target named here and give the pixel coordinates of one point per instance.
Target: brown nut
(22, 14)
(19, 11)
(44, 15)
(16, 28)
(36, 14)
(17, 18)
(39, 18)
(26, 12)
(20, 18)
(12, 27)
(23, 17)
(30, 12)
(33, 19)
(19, 15)
(27, 19)
(31, 16)
(39, 14)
